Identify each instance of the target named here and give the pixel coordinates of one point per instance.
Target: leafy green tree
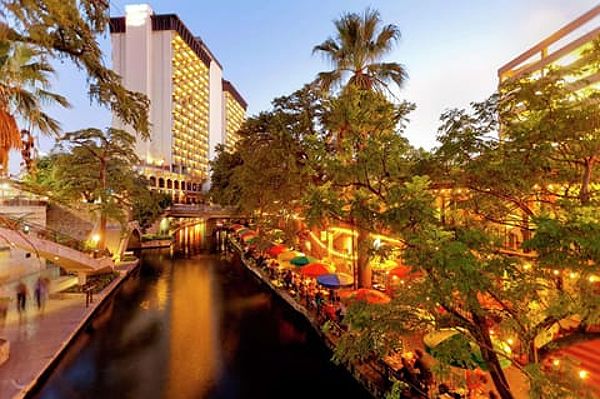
(98, 168)
(360, 154)
(222, 188)
(60, 30)
(539, 179)
(266, 175)
(356, 51)
(148, 205)
(24, 84)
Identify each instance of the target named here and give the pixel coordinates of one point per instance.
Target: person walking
(21, 297)
(40, 292)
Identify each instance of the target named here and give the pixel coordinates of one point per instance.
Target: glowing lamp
(583, 374)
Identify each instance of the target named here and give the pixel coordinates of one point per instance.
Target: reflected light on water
(193, 339)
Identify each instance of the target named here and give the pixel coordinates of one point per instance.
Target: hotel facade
(192, 108)
(563, 48)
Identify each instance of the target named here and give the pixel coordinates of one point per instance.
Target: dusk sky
(451, 49)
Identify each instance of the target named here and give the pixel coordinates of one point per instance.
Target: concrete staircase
(62, 250)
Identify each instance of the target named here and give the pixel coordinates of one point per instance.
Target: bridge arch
(134, 241)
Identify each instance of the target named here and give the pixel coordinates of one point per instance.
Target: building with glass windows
(563, 48)
(192, 108)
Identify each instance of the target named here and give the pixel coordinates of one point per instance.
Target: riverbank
(371, 379)
(38, 339)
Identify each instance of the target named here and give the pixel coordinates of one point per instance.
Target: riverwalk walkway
(37, 338)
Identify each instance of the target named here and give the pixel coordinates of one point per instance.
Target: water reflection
(197, 328)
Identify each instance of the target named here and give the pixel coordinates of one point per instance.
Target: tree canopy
(58, 30)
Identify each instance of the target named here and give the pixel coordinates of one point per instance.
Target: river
(199, 327)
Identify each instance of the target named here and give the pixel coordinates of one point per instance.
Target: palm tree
(24, 83)
(360, 44)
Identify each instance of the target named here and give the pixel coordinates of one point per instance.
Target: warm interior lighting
(583, 374)
(556, 362)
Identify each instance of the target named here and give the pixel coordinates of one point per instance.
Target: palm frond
(358, 47)
(329, 79)
(10, 137)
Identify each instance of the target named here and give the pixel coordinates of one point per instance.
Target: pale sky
(452, 49)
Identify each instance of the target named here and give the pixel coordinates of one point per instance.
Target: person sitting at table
(287, 279)
(409, 375)
(444, 392)
(424, 372)
(319, 301)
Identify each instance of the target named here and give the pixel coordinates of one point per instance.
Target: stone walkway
(38, 337)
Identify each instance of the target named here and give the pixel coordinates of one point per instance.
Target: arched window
(161, 182)
(194, 187)
(176, 184)
(183, 185)
(189, 186)
(169, 183)
(152, 181)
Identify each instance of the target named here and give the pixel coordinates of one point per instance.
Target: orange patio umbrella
(404, 272)
(366, 295)
(315, 270)
(247, 235)
(288, 255)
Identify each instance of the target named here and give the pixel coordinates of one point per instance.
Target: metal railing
(31, 229)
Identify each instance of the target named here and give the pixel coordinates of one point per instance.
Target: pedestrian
(21, 297)
(40, 293)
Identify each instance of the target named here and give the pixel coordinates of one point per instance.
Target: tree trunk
(491, 359)
(584, 195)
(102, 231)
(362, 261)
(103, 219)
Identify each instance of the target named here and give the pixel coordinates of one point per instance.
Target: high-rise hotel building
(192, 107)
(563, 48)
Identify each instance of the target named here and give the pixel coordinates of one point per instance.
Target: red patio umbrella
(404, 272)
(275, 250)
(236, 227)
(314, 270)
(366, 295)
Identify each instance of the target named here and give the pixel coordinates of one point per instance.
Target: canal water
(199, 327)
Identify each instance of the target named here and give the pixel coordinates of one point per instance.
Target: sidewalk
(38, 337)
(35, 339)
